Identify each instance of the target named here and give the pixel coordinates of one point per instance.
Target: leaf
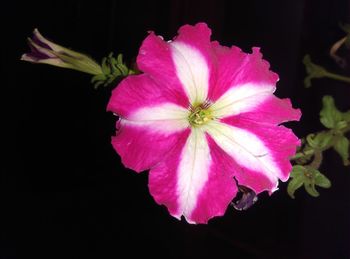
(293, 185)
(310, 189)
(346, 116)
(329, 115)
(105, 68)
(341, 125)
(98, 78)
(321, 140)
(342, 147)
(322, 181)
(298, 171)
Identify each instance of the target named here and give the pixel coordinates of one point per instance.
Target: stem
(317, 160)
(337, 77)
(302, 154)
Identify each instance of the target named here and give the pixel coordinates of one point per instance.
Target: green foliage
(313, 71)
(329, 115)
(309, 178)
(316, 71)
(112, 70)
(341, 145)
(309, 157)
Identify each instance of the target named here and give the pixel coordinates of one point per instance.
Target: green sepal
(342, 147)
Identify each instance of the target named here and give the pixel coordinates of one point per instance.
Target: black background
(64, 191)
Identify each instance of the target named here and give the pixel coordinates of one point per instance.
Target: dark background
(64, 191)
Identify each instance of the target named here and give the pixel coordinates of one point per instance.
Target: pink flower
(201, 116)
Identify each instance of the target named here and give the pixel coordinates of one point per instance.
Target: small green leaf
(105, 68)
(120, 58)
(98, 78)
(329, 115)
(346, 116)
(322, 181)
(321, 140)
(298, 171)
(341, 125)
(342, 147)
(310, 189)
(293, 185)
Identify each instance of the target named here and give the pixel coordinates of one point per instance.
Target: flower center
(200, 114)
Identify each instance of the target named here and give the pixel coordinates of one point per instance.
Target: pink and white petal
(140, 91)
(272, 111)
(280, 141)
(220, 188)
(142, 146)
(155, 59)
(237, 68)
(192, 70)
(241, 99)
(249, 152)
(150, 123)
(193, 58)
(200, 188)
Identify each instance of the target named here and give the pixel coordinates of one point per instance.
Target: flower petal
(183, 64)
(241, 99)
(140, 91)
(150, 123)
(155, 59)
(141, 147)
(272, 110)
(192, 181)
(236, 68)
(280, 141)
(192, 70)
(249, 152)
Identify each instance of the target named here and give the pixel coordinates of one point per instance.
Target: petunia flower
(44, 51)
(201, 117)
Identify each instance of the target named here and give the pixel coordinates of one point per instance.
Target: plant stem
(317, 160)
(337, 77)
(302, 154)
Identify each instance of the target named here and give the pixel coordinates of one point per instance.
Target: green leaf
(346, 116)
(298, 171)
(120, 58)
(321, 140)
(105, 68)
(329, 115)
(342, 147)
(322, 181)
(310, 189)
(341, 125)
(98, 78)
(293, 185)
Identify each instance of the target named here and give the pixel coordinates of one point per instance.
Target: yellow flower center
(200, 114)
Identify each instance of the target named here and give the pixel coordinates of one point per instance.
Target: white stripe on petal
(193, 171)
(165, 118)
(245, 148)
(192, 71)
(242, 98)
